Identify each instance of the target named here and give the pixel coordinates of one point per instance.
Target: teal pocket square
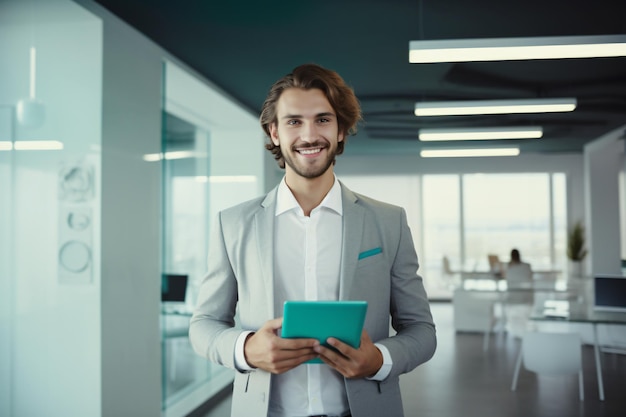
(370, 252)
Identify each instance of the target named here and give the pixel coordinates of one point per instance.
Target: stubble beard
(311, 171)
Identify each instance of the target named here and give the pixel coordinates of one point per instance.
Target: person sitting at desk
(518, 273)
(520, 298)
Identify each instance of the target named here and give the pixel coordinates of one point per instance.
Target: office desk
(580, 312)
(175, 323)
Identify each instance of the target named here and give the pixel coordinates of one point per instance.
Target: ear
(274, 134)
(341, 136)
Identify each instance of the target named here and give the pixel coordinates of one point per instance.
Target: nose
(308, 132)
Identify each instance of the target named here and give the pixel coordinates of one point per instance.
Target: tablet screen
(320, 320)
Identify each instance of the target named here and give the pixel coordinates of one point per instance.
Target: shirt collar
(285, 200)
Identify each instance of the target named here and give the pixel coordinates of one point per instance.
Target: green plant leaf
(576, 250)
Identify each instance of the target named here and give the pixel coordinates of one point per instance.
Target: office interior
(110, 176)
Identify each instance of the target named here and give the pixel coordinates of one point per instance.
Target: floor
(462, 380)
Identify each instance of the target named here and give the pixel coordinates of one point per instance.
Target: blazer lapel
(264, 226)
(353, 215)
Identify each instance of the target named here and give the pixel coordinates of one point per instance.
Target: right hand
(270, 352)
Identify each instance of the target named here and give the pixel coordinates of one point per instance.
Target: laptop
(609, 293)
(174, 293)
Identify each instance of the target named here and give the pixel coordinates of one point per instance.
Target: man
(311, 238)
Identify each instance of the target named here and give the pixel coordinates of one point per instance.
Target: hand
(270, 352)
(349, 362)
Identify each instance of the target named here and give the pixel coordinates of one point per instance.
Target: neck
(309, 192)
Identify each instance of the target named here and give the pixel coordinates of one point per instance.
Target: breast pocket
(370, 258)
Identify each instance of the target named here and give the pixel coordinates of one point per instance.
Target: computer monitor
(609, 293)
(174, 288)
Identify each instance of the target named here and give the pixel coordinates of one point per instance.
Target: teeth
(309, 151)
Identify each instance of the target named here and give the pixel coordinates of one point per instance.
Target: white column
(602, 161)
(131, 223)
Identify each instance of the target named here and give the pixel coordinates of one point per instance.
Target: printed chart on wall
(76, 196)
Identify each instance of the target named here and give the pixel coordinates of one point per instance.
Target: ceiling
(243, 47)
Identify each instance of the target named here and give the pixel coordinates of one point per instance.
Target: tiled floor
(462, 380)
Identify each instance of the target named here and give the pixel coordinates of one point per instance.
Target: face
(306, 131)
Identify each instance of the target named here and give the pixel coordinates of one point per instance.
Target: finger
(333, 357)
(273, 324)
(295, 344)
(288, 364)
(344, 348)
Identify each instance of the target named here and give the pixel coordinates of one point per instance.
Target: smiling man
(311, 238)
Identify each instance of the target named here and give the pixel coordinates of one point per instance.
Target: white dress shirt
(307, 260)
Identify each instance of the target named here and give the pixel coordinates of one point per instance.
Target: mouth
(309, 151)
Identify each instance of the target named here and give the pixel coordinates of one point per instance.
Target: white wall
(603, 162)
(50, 320)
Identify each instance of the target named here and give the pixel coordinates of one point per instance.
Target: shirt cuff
(385, 369)
(240, 358)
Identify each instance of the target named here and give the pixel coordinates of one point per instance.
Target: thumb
(365, 338)
(274, 324)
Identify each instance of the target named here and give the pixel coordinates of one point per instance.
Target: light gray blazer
(240, 277)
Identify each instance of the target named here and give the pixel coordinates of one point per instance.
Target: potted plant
(576, 250)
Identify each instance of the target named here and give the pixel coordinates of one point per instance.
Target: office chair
(551, 354)
(474, 312)
(451, 277)
(519, 299)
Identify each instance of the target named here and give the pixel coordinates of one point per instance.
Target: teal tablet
(320, 320)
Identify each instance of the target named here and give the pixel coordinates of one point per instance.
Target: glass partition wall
(185, 237)
(211, 158)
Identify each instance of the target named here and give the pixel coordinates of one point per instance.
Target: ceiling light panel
(508, 49)
(472, 107)
(459, 153)
(492, 133)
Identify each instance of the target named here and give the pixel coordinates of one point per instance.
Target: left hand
(349, 362)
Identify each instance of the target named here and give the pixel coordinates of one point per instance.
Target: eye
(293, 122)
(324, 120)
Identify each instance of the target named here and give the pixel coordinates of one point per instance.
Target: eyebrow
(299, 116)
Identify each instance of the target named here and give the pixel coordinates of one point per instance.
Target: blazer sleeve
(212, 331)
(415, 340)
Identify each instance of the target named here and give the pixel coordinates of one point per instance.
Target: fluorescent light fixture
(33, 71)
(226, 179)
(36, 145)
(507, 49)
(456, 153)
(6, 145)
(470, 107)
(483, 133)
(155, 157)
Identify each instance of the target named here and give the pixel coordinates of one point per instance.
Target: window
(459, 219)
(468, 217)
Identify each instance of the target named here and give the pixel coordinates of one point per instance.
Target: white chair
(551, 354)
(520, 277)
(452, 278)
(519, 298)
(474, 312)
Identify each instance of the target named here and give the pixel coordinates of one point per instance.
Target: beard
(314, 168)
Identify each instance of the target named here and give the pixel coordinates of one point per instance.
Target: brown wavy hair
(340, 96)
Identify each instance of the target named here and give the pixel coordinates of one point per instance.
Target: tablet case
(320, 320)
